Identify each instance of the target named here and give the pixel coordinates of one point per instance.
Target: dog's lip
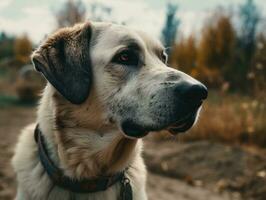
(183, 124)
(135, 131)
(132, 130)
(181, 121)
(143, 134)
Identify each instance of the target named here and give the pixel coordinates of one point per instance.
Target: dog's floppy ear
(64, 60)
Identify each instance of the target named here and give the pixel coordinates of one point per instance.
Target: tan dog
(107, 87)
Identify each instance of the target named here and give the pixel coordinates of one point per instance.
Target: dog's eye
(126, 57)
(164, 57)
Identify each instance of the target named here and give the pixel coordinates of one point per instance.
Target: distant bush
(29, 84)
(23, 49)
(26, 91)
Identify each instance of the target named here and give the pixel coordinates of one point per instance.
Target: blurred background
(221, 43)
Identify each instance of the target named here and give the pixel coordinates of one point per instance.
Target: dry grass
(231, 119)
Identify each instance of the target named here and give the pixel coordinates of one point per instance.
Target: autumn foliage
(218, 56)
(22, 49)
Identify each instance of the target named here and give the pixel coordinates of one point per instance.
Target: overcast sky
(36, 17)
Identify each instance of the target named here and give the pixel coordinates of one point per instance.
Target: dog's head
(122, 72)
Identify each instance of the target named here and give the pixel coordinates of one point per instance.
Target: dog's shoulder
(25, 149)
(26, 165)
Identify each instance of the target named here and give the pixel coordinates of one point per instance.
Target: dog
(108, 86)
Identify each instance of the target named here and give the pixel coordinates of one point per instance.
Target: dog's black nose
(193, 92)
(196, 92)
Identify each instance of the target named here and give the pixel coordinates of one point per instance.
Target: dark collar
(79, 186)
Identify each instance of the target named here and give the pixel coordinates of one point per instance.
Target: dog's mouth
(183, 125)
(133, 130)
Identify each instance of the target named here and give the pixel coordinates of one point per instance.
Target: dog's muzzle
(193, 96)
(182, 100)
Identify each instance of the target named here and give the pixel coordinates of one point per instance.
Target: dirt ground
(190, 171)
(233, 172)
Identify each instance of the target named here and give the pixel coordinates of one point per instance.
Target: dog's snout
(192, 92)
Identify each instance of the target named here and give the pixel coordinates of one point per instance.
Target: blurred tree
(258, 67)
(246, 44)
(249, 18)
(184, 55)
(72, 12)
(170, 28)
(100, 12)
(6, 46)
(216, 49)
(22, 49)
(2, 36)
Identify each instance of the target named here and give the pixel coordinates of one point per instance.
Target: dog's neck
(83, 152)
